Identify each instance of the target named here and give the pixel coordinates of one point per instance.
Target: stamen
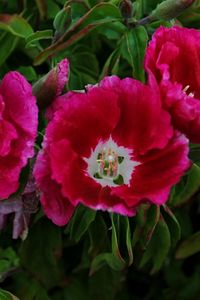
(110, 164)
(191, 95)
(107, 163)
(186, 89)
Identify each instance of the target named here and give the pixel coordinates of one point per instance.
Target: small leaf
(189, 185)
(38, 35)
(8, 261)
(28, 72)
(173, 225)
(158, 247)
(80, 222)
(110, 64)
(133, 48)
(107, 258)
(16, 25)
(152, 218)
(4, 295)
(189, 246)
(9, 43)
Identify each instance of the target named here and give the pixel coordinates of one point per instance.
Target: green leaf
(173, 225)
(9, 43)
(106, 258)
(98, 235)
(102, 13)
(52, 9)
(16, 25)
(28, 72)
(28, 288)
(9, 261)
(121, 246)
(152, 218)
(188, 186)
(80, 222)
(111, 64)
(38, 35)
(110, 282)
(4, 295)
(158, 247)
(39, 252)
(189, 246)
(133, 46)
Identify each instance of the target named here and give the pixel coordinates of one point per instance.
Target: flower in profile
(110, 148)
(173, 60)
(52, 84)
(18, 129)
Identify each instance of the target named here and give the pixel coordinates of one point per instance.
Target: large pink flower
(173, 60)
(18, 128)
(110, 148)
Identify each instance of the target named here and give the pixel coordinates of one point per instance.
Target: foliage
(153, 255)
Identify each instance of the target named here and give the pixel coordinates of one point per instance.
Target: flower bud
(170, 9)
(126, 8)
(52, 84)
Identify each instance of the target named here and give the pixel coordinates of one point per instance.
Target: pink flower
(110, 148)
(173, 60)
(18, 129)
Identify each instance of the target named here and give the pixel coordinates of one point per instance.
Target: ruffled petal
(141, 111)
(20, 103)
(18, 130)
(85, 119)
(56, 207)
(157, 173)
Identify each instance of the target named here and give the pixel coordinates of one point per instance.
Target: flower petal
(56, 207)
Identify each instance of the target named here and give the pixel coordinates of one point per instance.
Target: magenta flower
(18, 129)
(173, 60)
(110, 148)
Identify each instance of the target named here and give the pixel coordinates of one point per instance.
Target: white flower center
(110, 164)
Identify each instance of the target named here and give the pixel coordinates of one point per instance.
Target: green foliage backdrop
(102, 256)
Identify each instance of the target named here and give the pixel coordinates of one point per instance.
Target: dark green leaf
(38, 35)
(80, 222)
(111, 63)
(189, 247)
(28, 288)
(9, 261)
(173, 225)
(133, 46)
(4, 295)
(158, 247)
(106, 258)
(9, 43)
(152, 218)
(28, 72)
(187, 187)
(44, 245)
